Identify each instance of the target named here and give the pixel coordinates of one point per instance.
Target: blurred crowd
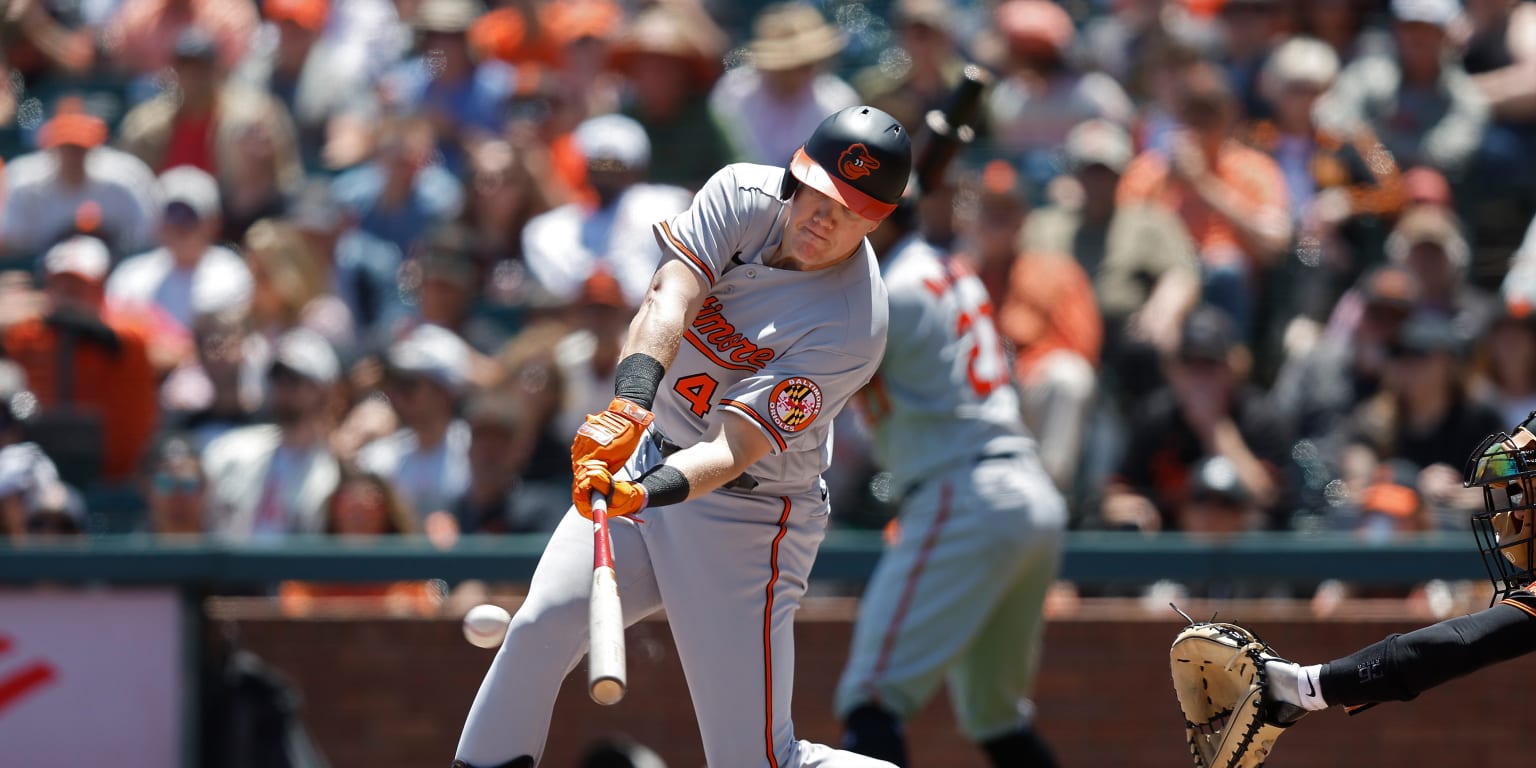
(361, 266)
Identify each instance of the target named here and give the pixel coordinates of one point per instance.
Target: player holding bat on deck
(766, 315)
(959, 594)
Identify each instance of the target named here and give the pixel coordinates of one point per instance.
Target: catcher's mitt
(1219, 677)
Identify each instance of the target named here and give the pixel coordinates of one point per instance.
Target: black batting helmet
(860, 157)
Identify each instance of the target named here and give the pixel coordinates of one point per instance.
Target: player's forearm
(657, 328)
(1401, 667)
(725, 452)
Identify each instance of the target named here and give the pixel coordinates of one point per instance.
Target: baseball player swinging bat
(606, 677)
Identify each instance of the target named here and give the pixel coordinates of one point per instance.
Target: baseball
(485, 625)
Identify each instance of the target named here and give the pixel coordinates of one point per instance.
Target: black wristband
(664, 484)
(637, 378)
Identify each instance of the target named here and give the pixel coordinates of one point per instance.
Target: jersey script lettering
(711, 327)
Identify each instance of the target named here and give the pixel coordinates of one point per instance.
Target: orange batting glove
(624, 497)
(611, 436)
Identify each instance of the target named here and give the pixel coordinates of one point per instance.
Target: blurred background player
(959, 592)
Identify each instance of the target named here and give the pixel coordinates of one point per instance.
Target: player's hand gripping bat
(606, 675)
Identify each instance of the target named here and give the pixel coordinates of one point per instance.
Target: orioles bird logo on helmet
(856, 162)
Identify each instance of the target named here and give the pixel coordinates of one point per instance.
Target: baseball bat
(606, 675)
(950, 128)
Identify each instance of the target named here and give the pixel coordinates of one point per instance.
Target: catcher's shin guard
(522, 762)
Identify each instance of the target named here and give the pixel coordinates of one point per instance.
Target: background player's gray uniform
(784, 350)
(981, 523)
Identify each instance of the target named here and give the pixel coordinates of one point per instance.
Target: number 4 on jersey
(698, 390)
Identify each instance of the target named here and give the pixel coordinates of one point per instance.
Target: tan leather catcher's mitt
(1219, 677)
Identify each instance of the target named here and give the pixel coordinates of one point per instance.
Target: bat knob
(607, 691)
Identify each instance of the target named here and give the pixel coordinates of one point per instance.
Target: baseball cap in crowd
(1214, 478)
(1208, 334)
(306, 353)
(72, 126)
(1099, 142)
(447, 16)
(614, 138)
(81, 255)
(934, 14)
(1432, 226)
(433, 352)
(1302, 61)
(196, 44)
(193, 188)
(1437, 12)
(791, 35)
(309, 14)
(659, 30)
(1035, 24)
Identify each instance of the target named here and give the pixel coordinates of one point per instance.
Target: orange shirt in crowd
(1049, 306)
(119, 385)
(1253, 175)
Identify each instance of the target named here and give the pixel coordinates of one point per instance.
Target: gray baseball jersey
(943, 393)
(960, 591)
(784, 350)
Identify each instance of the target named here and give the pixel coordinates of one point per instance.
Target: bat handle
(607, 676)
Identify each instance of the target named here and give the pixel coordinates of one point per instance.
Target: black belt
(742, 482)
(912, 487)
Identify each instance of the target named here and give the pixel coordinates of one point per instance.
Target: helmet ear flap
(789, 185)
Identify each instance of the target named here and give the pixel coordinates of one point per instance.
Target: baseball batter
(960, 593)
(766, 315)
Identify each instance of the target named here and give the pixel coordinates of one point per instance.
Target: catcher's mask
(1504, 466)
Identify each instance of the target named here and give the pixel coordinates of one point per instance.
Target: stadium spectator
(402, 193)
(1140, 257)
(90, 370)
(929, 70)
(1423, 416)
(312, 73)
(270, 480)
(444, 84)
(142, 38)
(1041, 95)
(1045, 311)
(1505, 362)
(362, 508)
(532, 376)
(499, 499)
(1498, 52)
(1208, 408)
(772, 103)
(260, 182)
(446, 283)
(1250, 31)
(426, 377)
(176, 489)
(581, 34)
(202, 118)
(1230, 197)
(1417, 100)
(1429, 243)
(506, 191)
(187, 275)
(74, 184)
(589, 354)
(221, 387)
(1317, 389)
(362, 270)
(1343, 188)
(565, 246)
(1343, 26)
(289, 287)
(670, 56)
(33, 499)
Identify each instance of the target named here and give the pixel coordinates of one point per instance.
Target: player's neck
(779, 259)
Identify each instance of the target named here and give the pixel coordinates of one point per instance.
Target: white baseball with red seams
(485, 625)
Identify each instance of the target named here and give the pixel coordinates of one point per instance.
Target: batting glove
(611, 436)
(624, 497)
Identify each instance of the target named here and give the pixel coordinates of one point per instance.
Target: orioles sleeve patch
(794, 404)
